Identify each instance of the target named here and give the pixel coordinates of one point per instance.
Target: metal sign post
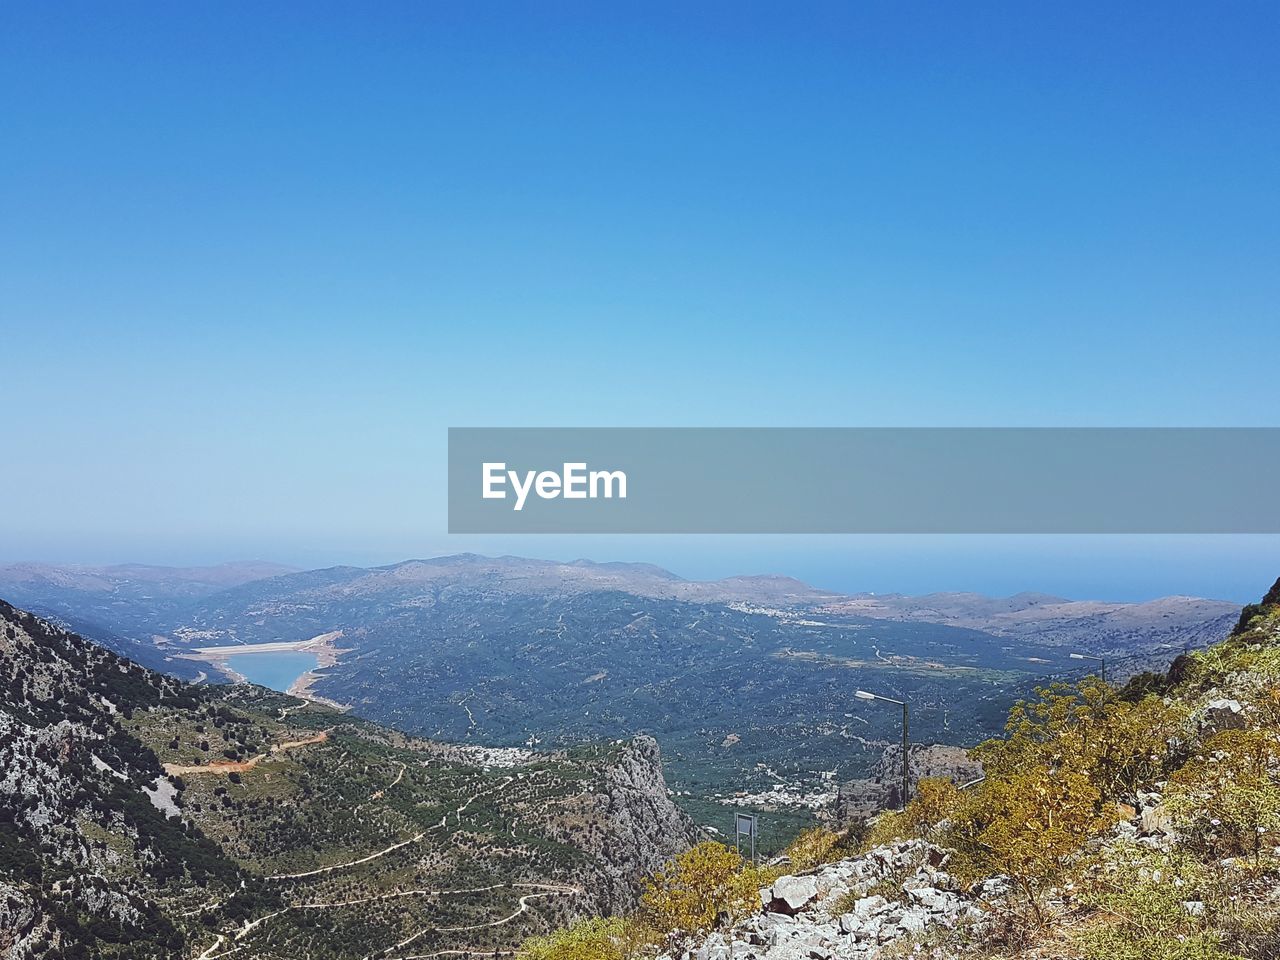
(744, 825)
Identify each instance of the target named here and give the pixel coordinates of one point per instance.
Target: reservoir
(277, 670)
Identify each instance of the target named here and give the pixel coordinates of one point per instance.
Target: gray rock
(1222, 714)
(869, 907)
(792, 894)
(646, 827)
(937, 901)
(1156, 820)
(859, 799)
(993, 888)
(913, 921)
(798, 924)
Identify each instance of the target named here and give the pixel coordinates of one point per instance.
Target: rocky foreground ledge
(835, 913)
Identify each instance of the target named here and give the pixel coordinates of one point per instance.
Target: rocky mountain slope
(144, 817)
(881, 789)
(831, 912)
(1137, 822)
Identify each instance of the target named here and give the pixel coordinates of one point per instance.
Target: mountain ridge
(504, 650)
(525, 574)
(144, 817)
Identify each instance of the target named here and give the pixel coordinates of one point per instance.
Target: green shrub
(1143, 899)
(1225, 801)
(615, 938)
(699, 888)
(1029, 825)
(814, 847)
(936, 800)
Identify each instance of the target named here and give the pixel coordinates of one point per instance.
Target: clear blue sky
(258, 257)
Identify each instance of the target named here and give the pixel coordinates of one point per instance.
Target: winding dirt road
(221, 949)
(240, 766)
(545, 890)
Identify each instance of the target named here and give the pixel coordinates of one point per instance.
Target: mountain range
(747, 682)
(145, 817)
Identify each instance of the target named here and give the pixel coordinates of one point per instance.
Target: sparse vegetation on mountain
(698, 889)
(1139, 824)
(512, 647)
(1142, 896)
(614, 938)
(144, 817)
(141, 817)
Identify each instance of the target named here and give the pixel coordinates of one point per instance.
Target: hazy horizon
(1129, 569)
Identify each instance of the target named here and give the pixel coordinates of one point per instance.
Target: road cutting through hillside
(240, 766)
(544, 890)
(540, 890)
(251, 925)
(444, 820)
(379, 794)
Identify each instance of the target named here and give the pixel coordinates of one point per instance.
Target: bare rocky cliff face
(645, 828)
(882, 790)
(23, 924)
(83, 851)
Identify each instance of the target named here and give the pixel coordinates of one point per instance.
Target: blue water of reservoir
(274, 670)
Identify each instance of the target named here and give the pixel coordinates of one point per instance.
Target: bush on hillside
(1119, 745)
(1028, 825)
(936, 801)
(814, 847)
(700, 889)
(1154, 906)
(615, 938)
(1226, 800)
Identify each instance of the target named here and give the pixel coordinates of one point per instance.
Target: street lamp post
(1102, 673)
(906, 738)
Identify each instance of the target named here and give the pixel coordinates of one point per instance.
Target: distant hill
(1155, 630)
(143, 817)
(118, 605)
(82, 591)
(135, 579)
(504, 650)
(524, 576)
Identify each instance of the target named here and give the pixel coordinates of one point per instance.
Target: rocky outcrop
(99, 846)
(832, 913)
(70, 774)
(642, 827)
(1224, 713)
(22, 923)
(882, 790)
(789, 895)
